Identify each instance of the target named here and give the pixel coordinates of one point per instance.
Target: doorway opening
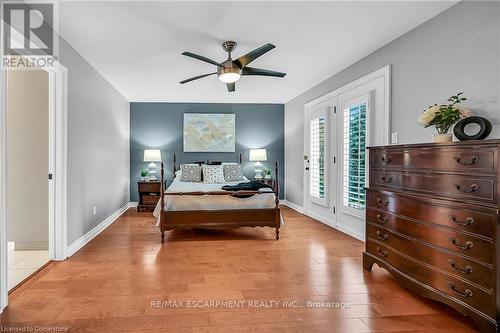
(28, 197)
(53, 180)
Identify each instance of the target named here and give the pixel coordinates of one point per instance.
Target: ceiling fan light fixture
(229, 74)
(229, 77)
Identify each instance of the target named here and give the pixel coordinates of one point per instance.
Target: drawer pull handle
(381, 219)
(467, 245)
(473, 160)
(468, 269)
(387, 179)
(381, 236)
(473, 188)
(466, 293)
(468, 220)
(381, 202)
(382, 253)
(386, 158)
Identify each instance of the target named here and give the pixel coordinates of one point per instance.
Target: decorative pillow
(190, 173)
(232, 172)
(213, 173)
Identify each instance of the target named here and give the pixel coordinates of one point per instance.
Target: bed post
(241, 159)
(277, 201)
(175, 162)
(162, 201)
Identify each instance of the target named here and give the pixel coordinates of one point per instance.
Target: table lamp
(257, 156)
(152, 155)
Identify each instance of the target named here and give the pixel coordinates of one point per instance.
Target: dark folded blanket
(249, 186)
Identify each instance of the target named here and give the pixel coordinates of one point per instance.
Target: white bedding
(211, 202)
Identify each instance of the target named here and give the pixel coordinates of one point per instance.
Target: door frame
(58, 116)
(385, 73)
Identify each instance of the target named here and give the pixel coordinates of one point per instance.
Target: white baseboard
(351, 232)
(292, 206)
(133, 204)
(82, 241)
(341, 228)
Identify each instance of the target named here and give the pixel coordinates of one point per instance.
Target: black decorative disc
(484, 130)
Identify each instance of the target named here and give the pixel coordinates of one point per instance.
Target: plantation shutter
(354, 156)
(317, 157)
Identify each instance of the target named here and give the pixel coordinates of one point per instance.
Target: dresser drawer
(445, 260)
(466, 244)
(454, 287)
(460, 160)
(466, 217)
(451, 186)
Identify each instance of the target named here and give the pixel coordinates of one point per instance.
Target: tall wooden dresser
(433, 222)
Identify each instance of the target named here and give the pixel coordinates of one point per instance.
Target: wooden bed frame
(219, 219)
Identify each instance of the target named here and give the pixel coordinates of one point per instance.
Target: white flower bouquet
(443, 116)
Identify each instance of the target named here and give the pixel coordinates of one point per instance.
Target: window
(317, 158)
(354, 150)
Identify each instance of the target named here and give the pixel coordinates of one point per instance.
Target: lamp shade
(258, 155)
(152, 155)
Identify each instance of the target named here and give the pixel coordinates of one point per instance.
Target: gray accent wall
(458, 50)
(98, 145)
(160, 126)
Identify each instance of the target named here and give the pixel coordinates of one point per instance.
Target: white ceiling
(137, 46)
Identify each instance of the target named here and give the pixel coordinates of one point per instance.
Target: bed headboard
(240, 161)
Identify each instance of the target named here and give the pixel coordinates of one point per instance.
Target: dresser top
(491, 142)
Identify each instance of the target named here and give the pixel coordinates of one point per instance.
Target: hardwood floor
(124, 280)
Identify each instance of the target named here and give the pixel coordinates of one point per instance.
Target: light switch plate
(394, 137)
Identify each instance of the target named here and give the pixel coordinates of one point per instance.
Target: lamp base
(258, 174)
(152, 171)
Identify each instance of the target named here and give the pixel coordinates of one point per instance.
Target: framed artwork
(209, 132)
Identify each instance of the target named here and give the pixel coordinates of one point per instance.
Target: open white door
(318, 162)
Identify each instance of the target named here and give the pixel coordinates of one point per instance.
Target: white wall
(28, 159)
(98, 145)
(458, 50)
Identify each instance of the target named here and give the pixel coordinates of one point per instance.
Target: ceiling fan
(230, 71)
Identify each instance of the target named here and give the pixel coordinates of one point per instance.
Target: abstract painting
(209, 132)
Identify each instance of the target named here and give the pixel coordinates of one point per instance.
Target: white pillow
(213, 173)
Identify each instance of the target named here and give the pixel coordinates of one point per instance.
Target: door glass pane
(354, 156)
(317, 158)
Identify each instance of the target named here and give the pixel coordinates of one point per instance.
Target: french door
(337, 129)
(318, 162)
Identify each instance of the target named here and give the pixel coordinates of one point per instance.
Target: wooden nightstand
(149, 194)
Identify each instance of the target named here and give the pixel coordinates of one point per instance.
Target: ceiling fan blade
(251, 56)
(231, 86)
(261, 72)
(202, 58)
(196, 77)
